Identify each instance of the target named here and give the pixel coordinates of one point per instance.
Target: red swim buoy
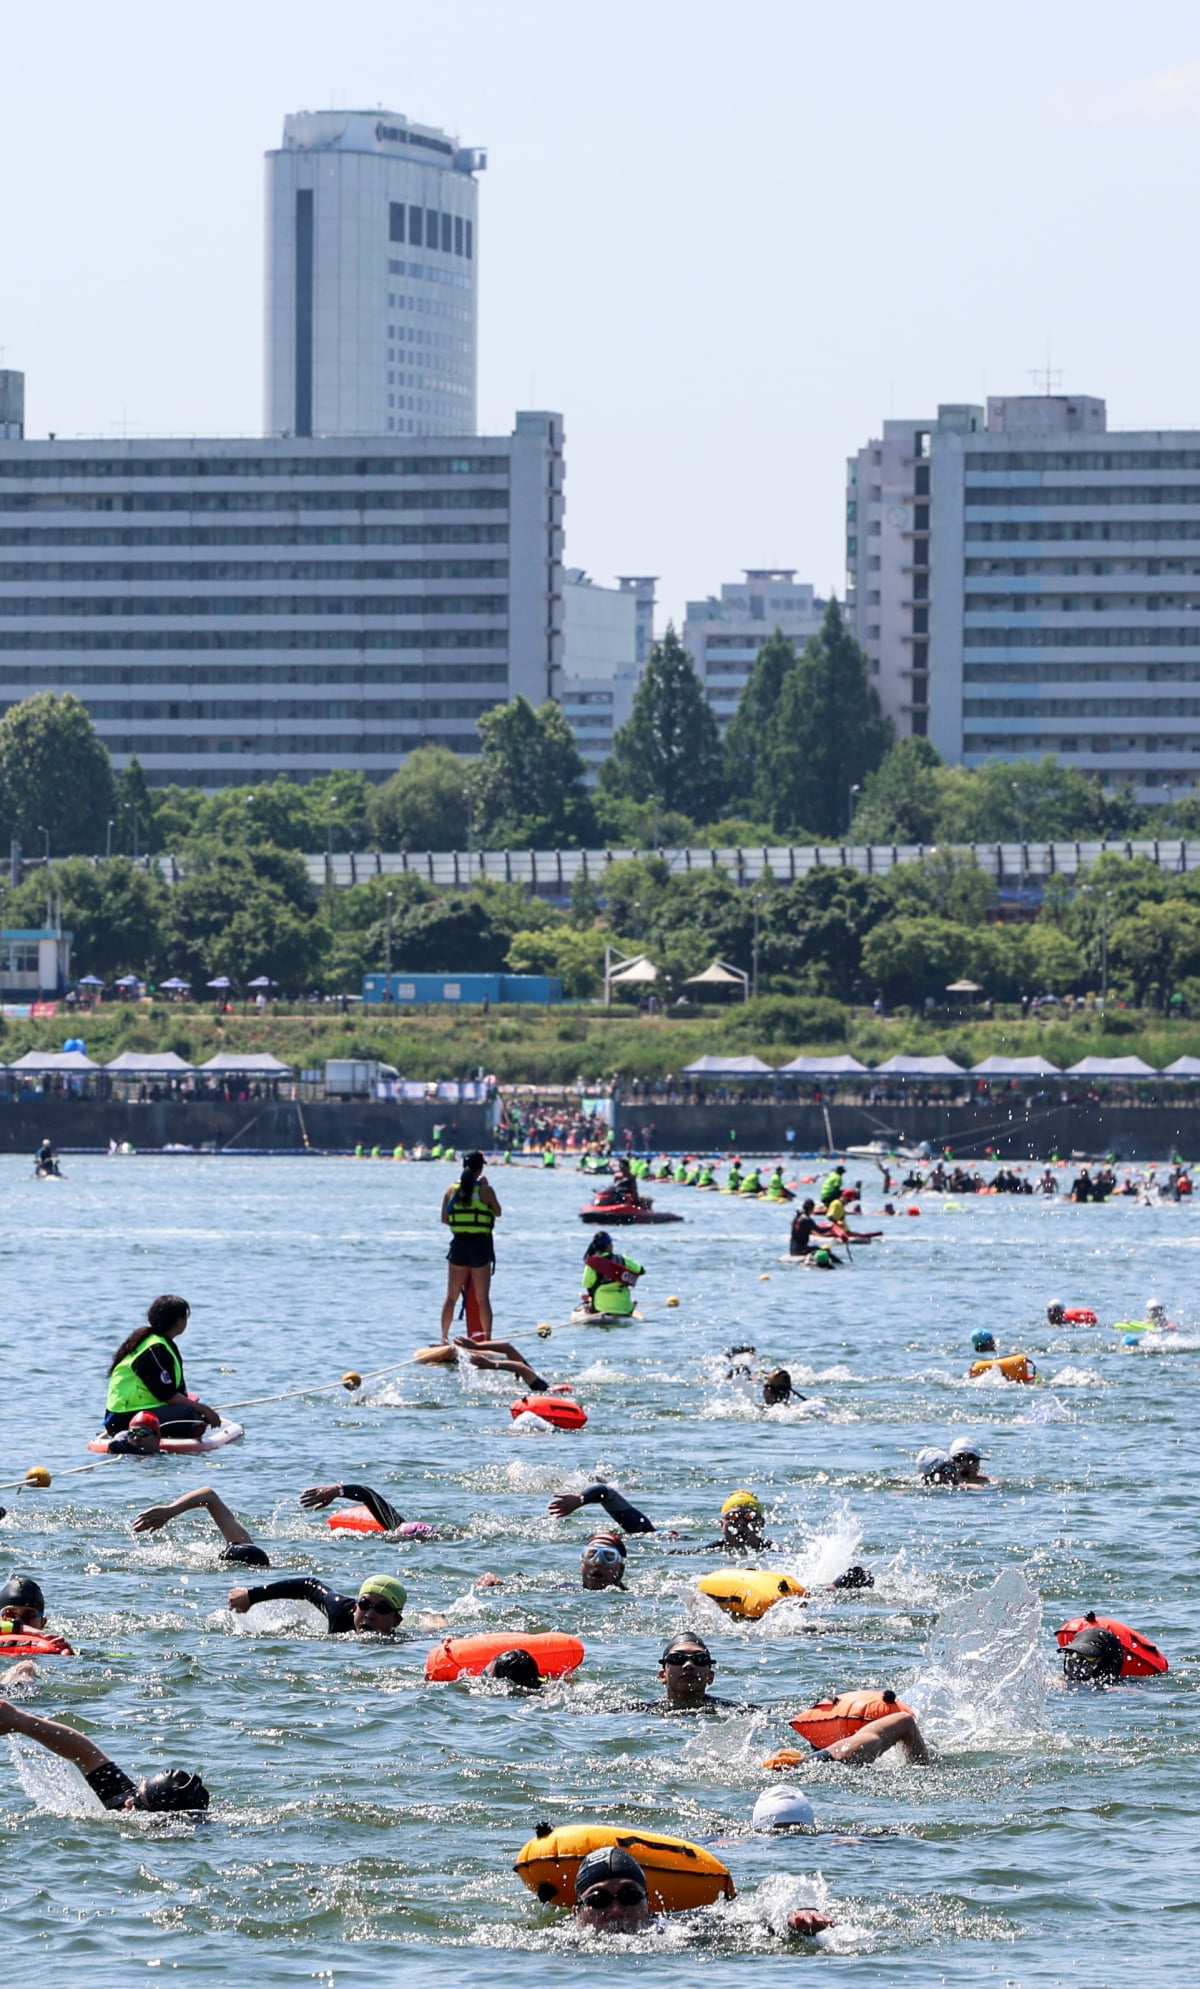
(1142, 1659)
(556, 1409)
(34, 1643)
(914, 1210)
(1080, 1315)
(355, 1519)
(554, 1653)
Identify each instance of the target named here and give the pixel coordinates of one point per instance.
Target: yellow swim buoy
(37, 1474)
(764, 1277)
(672, 1301)
(351, 1380)
(1014, 1367)
(750, 1592)
(679, 1875)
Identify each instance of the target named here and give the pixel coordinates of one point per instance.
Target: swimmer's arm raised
(378, 1507)
(293, 1588)
(226, 1521)
(52, 1735)
(615, 1505)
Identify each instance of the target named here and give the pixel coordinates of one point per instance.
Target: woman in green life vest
(470, 1211)
(146, 1372)
(608, 1278)
(752, 1185)
(733, 1180)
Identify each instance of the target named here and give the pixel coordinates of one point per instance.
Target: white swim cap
(931, 1459)
(965, 1446)
(777, 1808)
(1154, 1305)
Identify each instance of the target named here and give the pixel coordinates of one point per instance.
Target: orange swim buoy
(355, 1519)
(556, 1409)
(914, 1210)
(33, 1643)
(1142, 1659)
(837, 1719)
(552, 1651)
(1080, 1315)
(1014, 1367)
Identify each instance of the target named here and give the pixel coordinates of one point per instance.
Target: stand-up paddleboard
(184, 1446)
(582, 1317)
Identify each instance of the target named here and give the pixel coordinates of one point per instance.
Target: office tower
(600, 671)
(641, 586)
(12, 405)
(724, 636)
(1039, 586)
(372, 255)
(230, 611)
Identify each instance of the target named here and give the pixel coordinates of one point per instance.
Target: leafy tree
(1048, 799)
(135, 812)
(113, 910)
(1155, 947)
(245, 912)
(952, 884)
(451, 935)
(423, 805)
(901, 801)
(55, 775)
(529, 780)
(829, 733)
(753, 724)
(910, 958)
(624, 823)
(576, 956)
(669, 749)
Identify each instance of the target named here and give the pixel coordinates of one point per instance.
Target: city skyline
(706, 256)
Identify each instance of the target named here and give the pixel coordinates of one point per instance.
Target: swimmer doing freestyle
(170, 1789)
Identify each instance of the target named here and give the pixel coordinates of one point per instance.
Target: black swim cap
(246, 1553)
(173, 1788)
(23, 1591)
(1094, 1657)
(854, 1578)
(609, 1862)
(519, 1668)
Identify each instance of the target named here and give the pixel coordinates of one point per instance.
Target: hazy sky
(724, 241)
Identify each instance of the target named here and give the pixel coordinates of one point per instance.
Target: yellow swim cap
(738, 1500)
(388, 1588)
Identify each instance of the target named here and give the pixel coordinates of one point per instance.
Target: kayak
(626, 1214)
(583, 1317)
(183, 1446)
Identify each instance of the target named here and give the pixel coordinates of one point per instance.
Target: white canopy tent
(936, 1066)
(1015, 1067)
(1111, 1067)
(840, 1066)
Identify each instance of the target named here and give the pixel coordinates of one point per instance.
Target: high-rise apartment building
(724, 636)
(372, 257)
(601, 630)
(229, 610)
(1029, 583)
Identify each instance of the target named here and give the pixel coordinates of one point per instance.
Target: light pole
(469, 798)
(855, 791)
(108, 841)
(42, 831)
(388, 945)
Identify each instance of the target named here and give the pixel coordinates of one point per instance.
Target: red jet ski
(625, 1213)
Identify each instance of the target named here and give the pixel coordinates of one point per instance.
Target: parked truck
(355, 1077)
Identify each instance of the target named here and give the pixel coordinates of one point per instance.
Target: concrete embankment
(1131, 1132)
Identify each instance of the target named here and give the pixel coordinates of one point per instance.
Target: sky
(725, 243)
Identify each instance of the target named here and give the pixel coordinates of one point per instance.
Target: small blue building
(410, 990)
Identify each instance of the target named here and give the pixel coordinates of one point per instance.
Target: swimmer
(170, 1789)
(146, 1372)
(1093, 1657)
(983, 1341)
(686, 1669)
(143, 1438)
(239, 1546)
(374, 1612)
(742, 1523)
(379, 1508)
(602, 1563)
(517, 1668)
(611, 1897)
(936, 1466)
(618, 1508)
(501, 1357)
(777, 1388)
(966, 1456)
(893, 1730)
(22, 1607)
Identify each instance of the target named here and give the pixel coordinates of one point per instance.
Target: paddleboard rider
(470, 1211)
(609, 1277)
(146, 1372)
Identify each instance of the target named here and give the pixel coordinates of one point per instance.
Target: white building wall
(723, 636)
(600, 662)
(393, 318)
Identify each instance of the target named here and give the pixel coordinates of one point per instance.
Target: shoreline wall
(246, 1125)
(1130, 1132)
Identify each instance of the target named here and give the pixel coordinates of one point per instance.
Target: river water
(364, 1824)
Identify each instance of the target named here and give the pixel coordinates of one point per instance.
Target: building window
(458, 235)
(416, 231)
(396, 221)
(431, 228)
(470, 228)
(447, 231)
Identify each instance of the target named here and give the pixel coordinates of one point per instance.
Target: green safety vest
(473, 1218)
(127, 1393)
(614, 1298)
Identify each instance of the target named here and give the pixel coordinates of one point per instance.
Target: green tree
(114, 912)
(245, 912)
(1153, 948)
(753, 724)
(669, 749)
(528, 782)
(135, 813)
(901, 801)
(948, 882)
(1046, 799)
(424, 805)
(911, 958)
(577, 957)
(55, 776)
(829, 733)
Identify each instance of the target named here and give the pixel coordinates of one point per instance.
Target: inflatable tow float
(679, 1875)
(747, 1594)
(1141, 1658)
(554, 1653)
(1014, 1367)
(836, 1719)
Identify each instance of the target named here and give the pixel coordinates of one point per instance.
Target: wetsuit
(338, 1610)
(111, 1784)
(389, 1519)
(618, 1508)
(804, 1228)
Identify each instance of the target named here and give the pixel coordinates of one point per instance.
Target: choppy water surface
(365, 1824)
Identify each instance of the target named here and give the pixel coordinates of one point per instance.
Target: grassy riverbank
(521, 1045)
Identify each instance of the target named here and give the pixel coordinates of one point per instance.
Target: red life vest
(612, 1270)
(34, 1643)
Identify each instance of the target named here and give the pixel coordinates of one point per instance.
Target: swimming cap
(930, 1461)
(965, 1446)
(144, 1420)
(1154, 1305)
(742, 1501)
(776, 1808)
(612, 1541)
(174, 1788)
(983, 1341)
(779, 1379)
(1094, 1657)
(855, 1577)
(245, 1552)
(23, 1590)
(608, 1862)
(823, 1258)
(388, 1588)
(518, 1667)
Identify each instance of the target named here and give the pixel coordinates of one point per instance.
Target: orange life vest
(34, 1643)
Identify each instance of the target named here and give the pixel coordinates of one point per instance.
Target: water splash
(54, 1785)
(985, 1679)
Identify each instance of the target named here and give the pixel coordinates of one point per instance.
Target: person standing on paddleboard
(470, 1211)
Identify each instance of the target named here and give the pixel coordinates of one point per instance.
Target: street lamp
(42, 831)
(108, 841)
(855, 791)
(469, 798)
(388, 945)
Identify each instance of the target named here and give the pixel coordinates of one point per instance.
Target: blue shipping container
(408, 990)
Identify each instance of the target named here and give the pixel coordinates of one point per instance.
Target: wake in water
(985, 1679)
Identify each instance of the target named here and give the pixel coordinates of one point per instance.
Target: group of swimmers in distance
(148, 1402)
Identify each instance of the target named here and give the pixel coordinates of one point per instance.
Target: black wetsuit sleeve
(111, 1784)
(338, 1610)
(156, 1374)
(389, 1519)
(618, 1508)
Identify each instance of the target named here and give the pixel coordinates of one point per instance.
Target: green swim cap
(387, 1587)
(824, 1259)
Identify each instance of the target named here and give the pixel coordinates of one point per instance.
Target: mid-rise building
(228, 611)
(601, 627)
(372, 258)
(1029, 582)
(642, 586)
(12, 405)
(723, 636)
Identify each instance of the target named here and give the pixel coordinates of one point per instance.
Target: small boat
(606, 1215)
(879, 1151)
